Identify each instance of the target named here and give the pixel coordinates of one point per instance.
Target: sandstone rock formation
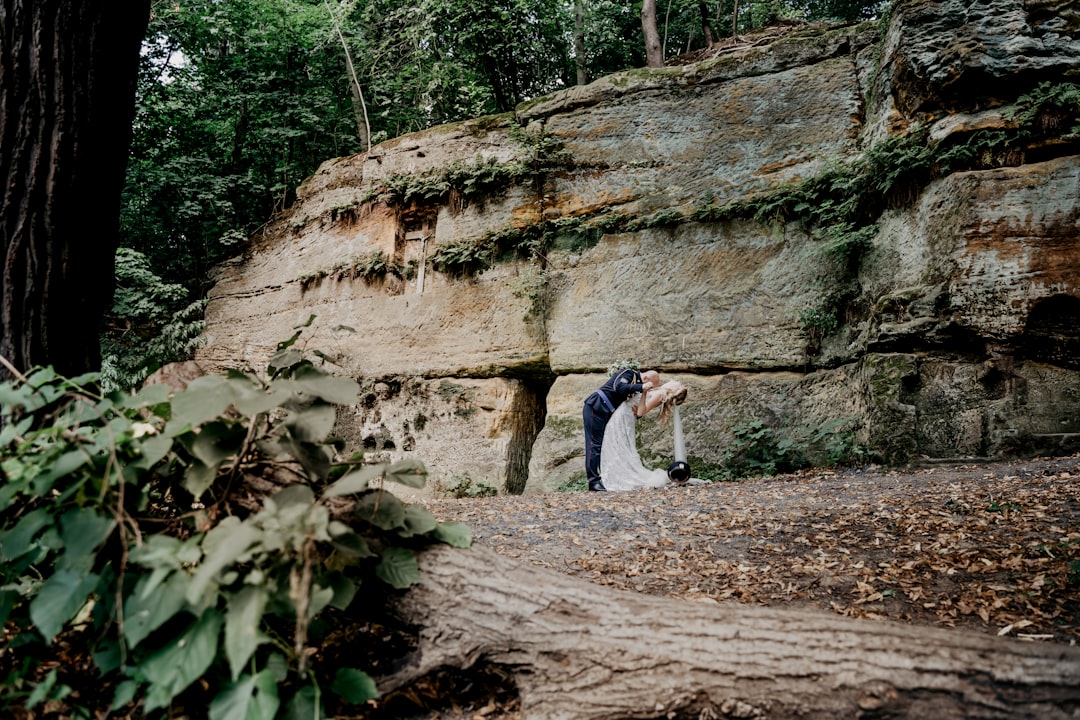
(478, 320)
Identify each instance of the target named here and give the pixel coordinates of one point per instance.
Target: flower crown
(620, 365)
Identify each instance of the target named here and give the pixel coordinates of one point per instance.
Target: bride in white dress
(620, 464)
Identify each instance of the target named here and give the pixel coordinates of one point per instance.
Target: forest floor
(990, 547)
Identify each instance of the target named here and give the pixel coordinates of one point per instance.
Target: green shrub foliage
(125, 526)
(151, 323)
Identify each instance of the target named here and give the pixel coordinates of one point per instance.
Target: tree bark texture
(579, 42)
(706, 26)
(577, 650)
(67, 101)
(654, 52)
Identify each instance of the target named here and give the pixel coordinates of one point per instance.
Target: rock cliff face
(478, 278)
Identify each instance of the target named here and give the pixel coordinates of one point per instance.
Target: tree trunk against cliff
(735, 19)
(363, 126)
(706, 26)
(581, 651)
(654, 53)
(67, 101)
(528, 413)
(579, 41)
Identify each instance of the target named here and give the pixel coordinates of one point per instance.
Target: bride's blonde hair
(676, 394)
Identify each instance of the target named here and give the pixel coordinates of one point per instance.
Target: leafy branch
(134, 521)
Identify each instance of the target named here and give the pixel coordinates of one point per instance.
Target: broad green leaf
(204, 399)
(233, 542)
(18, 540)
(10, 431)
(84, 530)
(320, 598)
(252, 698)
(278, 665)
(153, 450)
(217, 442)
(64, 465)
(41, 690)
(148, 395)
(304, 705)
(199, 477)
(41, 375)
(398, 568)
(454, 534)
(125, 693)
(354, 686)
(344, 590)
(82, 381)
(163, 551)
(107, 656)
(146, 610)
(351, 544)
(331, 388)
(294, 495)
(182, 661)
(242, 634)
(418, 521)
(355, 481)
(312, 424)
(285, 357)
(252, 400)
(408, 472)
(59, 599)
(315, 457)
(381, 509)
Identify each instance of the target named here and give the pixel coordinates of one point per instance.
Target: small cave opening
(1052, 332)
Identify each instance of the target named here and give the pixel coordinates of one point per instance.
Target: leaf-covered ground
(994, 548)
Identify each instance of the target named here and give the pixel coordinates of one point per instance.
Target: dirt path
(993, 548)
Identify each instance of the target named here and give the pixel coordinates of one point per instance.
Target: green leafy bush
(760, 449)
(125, 528)
(463, 486)
(151, 323)
(578, 482)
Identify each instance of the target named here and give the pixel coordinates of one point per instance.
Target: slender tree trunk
(667, 21)
(579, 41)
(67, 101)
(706, 27)
(654, 53)
(363, 126)
(579, 651)
(735, 20)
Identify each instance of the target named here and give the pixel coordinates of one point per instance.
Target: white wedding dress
(620, 464)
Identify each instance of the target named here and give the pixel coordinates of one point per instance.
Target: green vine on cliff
(461, 182)
(369, 268)
(841, 206)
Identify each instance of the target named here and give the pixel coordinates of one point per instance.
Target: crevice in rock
(1052, 333)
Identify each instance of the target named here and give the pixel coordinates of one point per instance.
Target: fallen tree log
(583, 651)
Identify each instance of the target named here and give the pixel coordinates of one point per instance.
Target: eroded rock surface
(960, 333)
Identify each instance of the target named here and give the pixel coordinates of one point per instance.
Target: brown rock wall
(959, 333)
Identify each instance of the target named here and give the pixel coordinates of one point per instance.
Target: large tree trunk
(67, 101)
(577, 650)
(654, 52)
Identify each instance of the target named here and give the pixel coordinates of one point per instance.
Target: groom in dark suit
(598, 410)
